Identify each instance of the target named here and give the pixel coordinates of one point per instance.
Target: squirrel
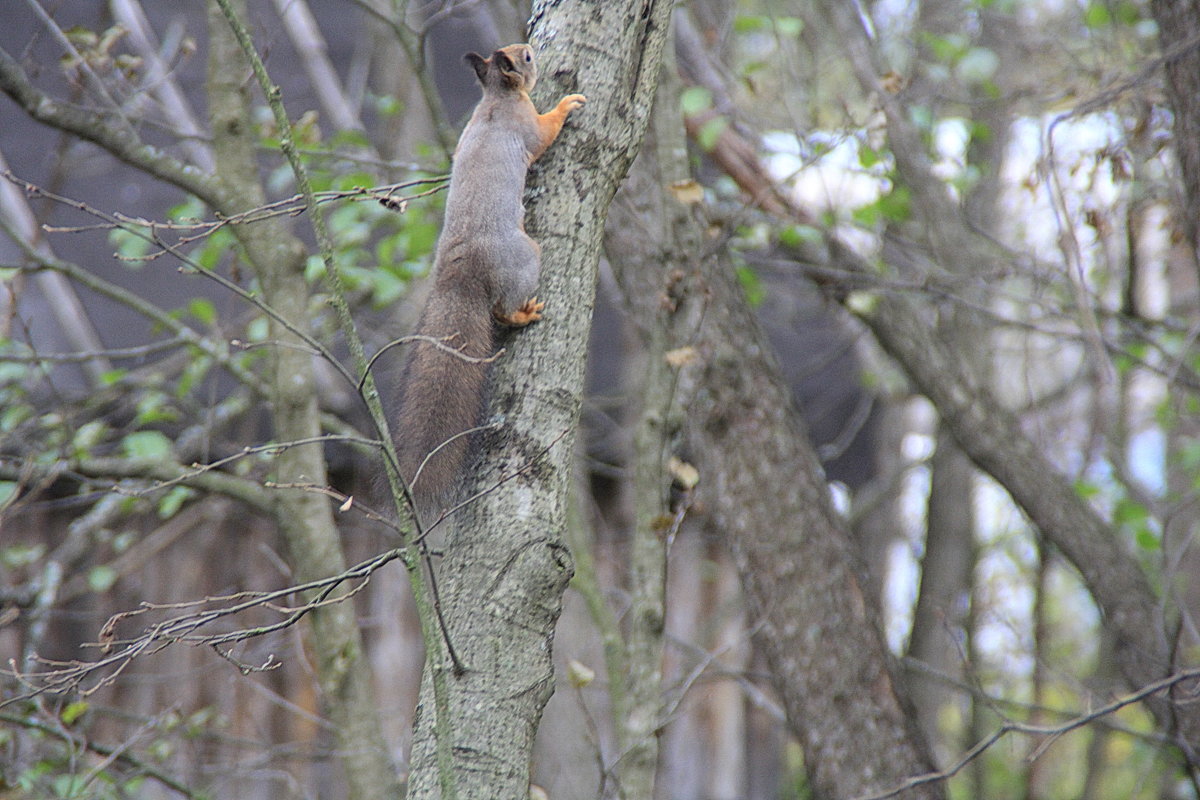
(485, 273)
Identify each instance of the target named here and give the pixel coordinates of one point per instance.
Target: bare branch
(109, 130)
(61, 677)
(1051, 732)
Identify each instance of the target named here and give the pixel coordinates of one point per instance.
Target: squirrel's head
(509, 67)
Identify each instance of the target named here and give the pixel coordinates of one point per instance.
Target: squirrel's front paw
(531, 311)
(572, 101)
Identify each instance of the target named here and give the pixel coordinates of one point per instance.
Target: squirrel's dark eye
(528, 56)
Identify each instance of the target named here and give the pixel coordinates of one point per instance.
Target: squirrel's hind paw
(531, 311)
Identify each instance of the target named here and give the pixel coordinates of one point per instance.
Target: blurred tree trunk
(947, 566)
(305, 518)
(816, 624)
(942, 606)
(506, 565)
(1179, 35)
(666, 390)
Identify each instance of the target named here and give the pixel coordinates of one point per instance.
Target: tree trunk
(815, 622)
(305, 518)
(1179, 36)
(941, 612)
(506, 566)
(669, 235)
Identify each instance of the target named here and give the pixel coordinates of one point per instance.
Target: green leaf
(387, 105)
(113, 376)
(173, 500)
(258, 329)
(1129, 13)
(101, 578)
(190, 210)
(1085, 490)
(130, 246)
(21, 555)
(73, 711)
(867, 216)
(980, 131)
(694, 100)
(752, 285)
(88, 436)
(948, 48)
(799, 235)
(193, 373)
(131, 786)
(161, 749)
(387, 287)
(154, 407)
(202, 309)
(123, 541)
(749, 23)
(789, 26)
(1097, 15)
(214, 249)
(1129, 512)
(148, 445)
(12, 372)
(422, 236)
(710, 131)
(14, 415)
(752, 23)
(314, 268)
(1147, 539)
(354, 139)
(67, 785)
(895, 206)
(1188, 453)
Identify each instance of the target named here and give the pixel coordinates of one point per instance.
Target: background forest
(863, 421)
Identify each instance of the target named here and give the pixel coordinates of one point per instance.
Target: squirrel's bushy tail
(442, 397)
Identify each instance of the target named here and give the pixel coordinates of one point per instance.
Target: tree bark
(506, 566)
(815, 622)
(1179, 36)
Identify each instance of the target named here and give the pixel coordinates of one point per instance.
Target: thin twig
(68, 676)
(1051, 731)
(441, 343)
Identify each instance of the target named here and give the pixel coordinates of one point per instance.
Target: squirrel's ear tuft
(478, 63)
(502, 61)
(509, 73)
